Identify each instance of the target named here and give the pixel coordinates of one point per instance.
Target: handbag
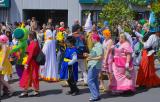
(40, 58)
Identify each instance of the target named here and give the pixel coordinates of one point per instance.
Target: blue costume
(64, 72)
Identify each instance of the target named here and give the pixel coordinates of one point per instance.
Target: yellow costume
(7, 70)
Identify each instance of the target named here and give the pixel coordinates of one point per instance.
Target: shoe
(92, 100)
(65, 85)
(10, 94)
(23, 95)
(35, 93)
(75, 93)
(69, 93)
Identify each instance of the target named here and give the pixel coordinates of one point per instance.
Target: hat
(18, 33)
(3, 39)
(142, 21)
(71, 39)
(106, 23)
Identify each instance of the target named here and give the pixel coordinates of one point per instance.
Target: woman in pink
(123, 78)
(107, 60)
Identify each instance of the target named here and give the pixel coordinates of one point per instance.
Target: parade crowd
(87, 53)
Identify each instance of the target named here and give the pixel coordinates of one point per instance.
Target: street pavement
(53, 92)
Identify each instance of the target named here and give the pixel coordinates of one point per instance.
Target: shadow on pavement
(84, 90)
(141, 90)
(50, 92)
(13, 81)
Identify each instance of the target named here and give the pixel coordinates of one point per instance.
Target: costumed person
(49, 72)
(5, 65)
(123, 78)
(60, 46)
(81, 48)
(69, 68)
(30, 76)
(107, 59)
(19, 50)
(147, 77)
(94, 67)
(60, 50)
(89, 29)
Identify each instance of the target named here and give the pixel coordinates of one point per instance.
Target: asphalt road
(53, 92)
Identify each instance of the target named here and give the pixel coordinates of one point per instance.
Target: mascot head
(19, 33)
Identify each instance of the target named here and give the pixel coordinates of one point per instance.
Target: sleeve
(138, 35)
(74, 59)
(127, 48)
(30, 54)
(149, 42)
(99, 51)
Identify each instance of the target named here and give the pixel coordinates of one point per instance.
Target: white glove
(127, 65)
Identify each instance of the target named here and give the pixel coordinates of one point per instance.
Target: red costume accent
(147, 72)
(30, 75)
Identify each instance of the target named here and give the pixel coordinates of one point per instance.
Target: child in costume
(21, 35)
(30, 75)
(5, 65)
(69, 68)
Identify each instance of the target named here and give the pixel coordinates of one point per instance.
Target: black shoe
(69, 93)
(5, 94)
(75, 93)
(92, 100)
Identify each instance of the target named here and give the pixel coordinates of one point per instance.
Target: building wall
(73, 6)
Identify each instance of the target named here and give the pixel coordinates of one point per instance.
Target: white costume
(49, 71)
(152, 42)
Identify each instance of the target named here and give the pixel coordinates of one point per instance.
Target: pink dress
(119, 81)
(109, 60)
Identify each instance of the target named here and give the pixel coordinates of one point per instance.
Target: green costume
(21, 34)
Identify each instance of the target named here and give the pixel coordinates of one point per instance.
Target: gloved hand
(127, 65)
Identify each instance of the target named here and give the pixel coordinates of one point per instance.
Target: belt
(66, 60)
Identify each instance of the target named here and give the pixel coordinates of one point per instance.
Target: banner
(4, 3)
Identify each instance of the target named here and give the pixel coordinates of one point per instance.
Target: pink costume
(119, 81)
(109, 60)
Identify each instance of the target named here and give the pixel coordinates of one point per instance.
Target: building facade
(58, 10)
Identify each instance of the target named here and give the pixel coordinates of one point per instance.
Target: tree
(155, 6)
(117, 12)
(139, 2)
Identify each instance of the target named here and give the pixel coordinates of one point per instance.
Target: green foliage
(138, 2)
(156, 9)
(117, 12)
